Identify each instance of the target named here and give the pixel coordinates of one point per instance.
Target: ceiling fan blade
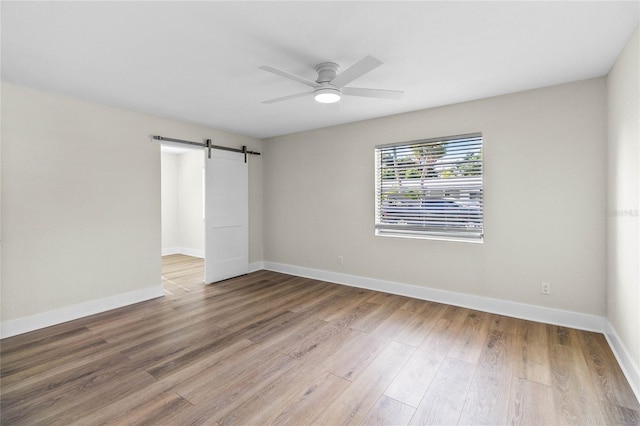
(290, 76)
(358, 69)
(372, 93)
(286, 98)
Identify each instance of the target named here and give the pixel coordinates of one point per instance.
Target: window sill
(433, 237)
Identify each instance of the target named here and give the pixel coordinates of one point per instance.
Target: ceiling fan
(330, 86)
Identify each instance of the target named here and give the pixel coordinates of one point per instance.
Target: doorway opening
(182, 212)
(224, 186)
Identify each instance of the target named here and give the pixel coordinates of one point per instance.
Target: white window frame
(436, 190)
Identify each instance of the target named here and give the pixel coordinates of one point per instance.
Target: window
(430, 188)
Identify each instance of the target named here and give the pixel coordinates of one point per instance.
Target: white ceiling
(198, 61)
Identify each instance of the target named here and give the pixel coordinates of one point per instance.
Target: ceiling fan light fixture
(327, 95)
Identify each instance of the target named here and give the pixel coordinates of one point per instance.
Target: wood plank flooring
(269, 348)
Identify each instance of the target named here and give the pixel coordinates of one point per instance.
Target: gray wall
(623, 229)
(544, 199)
(81, 203)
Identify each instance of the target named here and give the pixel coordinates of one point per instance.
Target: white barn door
(226, 216)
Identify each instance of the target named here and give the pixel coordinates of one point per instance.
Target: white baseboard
(575, 320)
(192, 252)
(497, 306)
(630, 369)
(69, 313)
(256, 266)
(169, 250)
(183, 250)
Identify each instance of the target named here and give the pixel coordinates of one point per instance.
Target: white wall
(182, 203)
(544, 200)
(623, 254)
(169, 199)
(191, 200)
(81, 205)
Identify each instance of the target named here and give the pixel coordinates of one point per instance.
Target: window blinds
(430, 187)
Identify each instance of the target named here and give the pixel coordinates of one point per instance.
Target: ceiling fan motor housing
(327, 71)
(327, 92)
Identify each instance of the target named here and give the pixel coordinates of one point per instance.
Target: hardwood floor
(269, 348)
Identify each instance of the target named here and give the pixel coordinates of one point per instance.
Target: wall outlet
(340, 260)
(545, 287)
